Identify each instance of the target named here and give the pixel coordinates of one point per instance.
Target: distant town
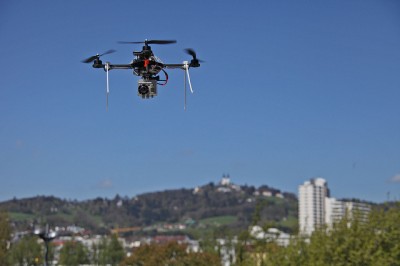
(184, 216)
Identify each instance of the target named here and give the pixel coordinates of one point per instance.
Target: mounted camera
(147, 88)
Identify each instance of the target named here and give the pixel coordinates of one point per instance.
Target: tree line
(350, 241)
(170, 206)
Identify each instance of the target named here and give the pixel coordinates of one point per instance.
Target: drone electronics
(147, 66)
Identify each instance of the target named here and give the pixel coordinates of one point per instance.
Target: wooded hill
(234, 206)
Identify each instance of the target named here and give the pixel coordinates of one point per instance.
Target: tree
(172, 254)
(384, 247)
(5, 237)
(115, 250)
(27, 251)
(354, 240)
(108, 252)
(199, 259)
(73, 253)
(99, 255)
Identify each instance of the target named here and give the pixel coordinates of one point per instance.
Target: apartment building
(335, 210)
(317, 208)
(312, 196)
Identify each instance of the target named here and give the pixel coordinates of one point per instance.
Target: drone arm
(181, 66)
(174, 66)
(112, 66)
(121, 66)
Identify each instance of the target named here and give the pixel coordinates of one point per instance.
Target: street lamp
(46, 236)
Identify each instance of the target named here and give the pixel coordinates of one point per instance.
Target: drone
(147, 66)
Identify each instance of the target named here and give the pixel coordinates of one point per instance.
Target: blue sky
(290, 90)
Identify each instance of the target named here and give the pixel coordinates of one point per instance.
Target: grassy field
(218, 221)
(291, 222)
(18, 216)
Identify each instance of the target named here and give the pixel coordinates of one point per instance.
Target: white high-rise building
(312, 195)
(316, 208)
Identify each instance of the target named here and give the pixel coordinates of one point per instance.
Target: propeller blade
(161, 41)
(108, 52)
(150, 42)
(92, 58)
(191, 52)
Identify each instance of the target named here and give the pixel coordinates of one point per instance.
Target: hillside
(227, 205)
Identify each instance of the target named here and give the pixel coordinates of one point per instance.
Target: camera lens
(143, 89)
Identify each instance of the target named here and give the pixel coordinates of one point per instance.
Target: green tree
(99, 252)
(199, 259)
(354, 240)
(115, 250)
(358, 241)
(171, 254)
(241, 248)
(73, 253)
(384, 247)
(5, 237)
(27, 251)
(108, 252)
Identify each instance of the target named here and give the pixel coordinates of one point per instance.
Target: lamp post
(46, 236)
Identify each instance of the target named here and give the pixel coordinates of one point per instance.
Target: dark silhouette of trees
(170, 206)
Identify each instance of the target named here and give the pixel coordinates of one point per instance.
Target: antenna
(107, 68)
(184, 91)
(186, 68)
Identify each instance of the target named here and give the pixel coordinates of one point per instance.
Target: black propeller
(92, 58)
(151, 42)
(195, 62)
